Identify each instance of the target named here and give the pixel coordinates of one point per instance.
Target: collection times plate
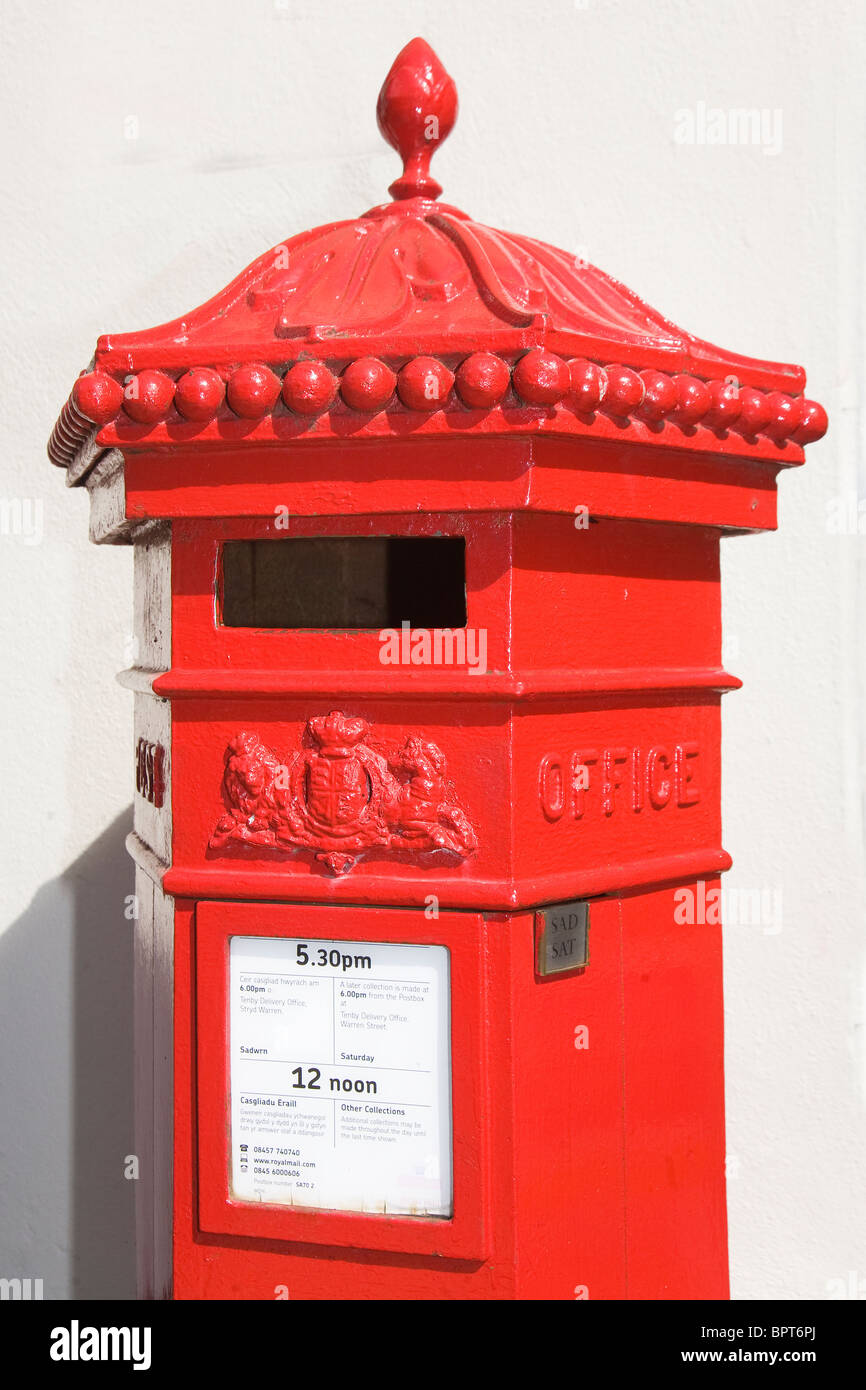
(341, 1075)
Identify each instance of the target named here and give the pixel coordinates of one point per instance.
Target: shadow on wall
(66, 1038)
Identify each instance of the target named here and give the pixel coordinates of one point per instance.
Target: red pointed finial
(416, 111)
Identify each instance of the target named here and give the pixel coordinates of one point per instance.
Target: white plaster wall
(151, 152)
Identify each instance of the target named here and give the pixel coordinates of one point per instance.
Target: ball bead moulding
(199, 394)
(541, 378)
(367, 385)
(97, 396)
(147, 396)
(309, 388)
(588, 383)
(482, 380)
(424, 384)
(252, 391)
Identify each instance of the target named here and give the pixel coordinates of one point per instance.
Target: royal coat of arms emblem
(340, 797)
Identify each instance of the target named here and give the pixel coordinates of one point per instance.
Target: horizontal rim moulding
(538, 381)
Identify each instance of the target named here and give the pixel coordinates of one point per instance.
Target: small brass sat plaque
(562, 937)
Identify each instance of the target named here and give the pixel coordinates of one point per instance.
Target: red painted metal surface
(586, 1177)
(412, 373)
(413, 317)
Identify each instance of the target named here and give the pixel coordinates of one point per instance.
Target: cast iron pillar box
(427, 699)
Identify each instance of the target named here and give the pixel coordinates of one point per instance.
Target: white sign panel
(341, 1075)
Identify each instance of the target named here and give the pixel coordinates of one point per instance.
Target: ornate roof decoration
(414, 318)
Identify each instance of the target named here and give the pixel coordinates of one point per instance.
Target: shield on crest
(337, 790)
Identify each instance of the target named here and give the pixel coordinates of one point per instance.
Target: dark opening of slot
(344, 582)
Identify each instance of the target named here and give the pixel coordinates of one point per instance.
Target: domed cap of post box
(413, 320)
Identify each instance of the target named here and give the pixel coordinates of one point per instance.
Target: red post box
(427, 818)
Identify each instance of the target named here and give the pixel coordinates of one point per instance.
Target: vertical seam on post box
(509, 662)
(623, 1133)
